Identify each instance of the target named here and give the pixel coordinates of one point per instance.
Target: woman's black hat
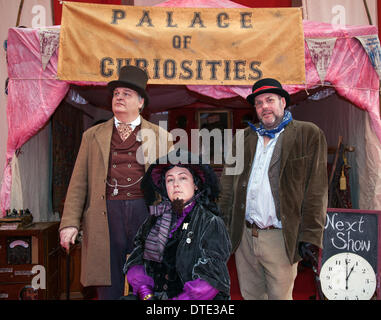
(153, 180)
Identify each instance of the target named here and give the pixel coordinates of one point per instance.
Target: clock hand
(346, 274)
(350, 272)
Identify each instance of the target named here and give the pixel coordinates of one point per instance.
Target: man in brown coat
(275, 208)
(104, 196)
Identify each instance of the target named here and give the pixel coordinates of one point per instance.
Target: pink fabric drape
(33, 95)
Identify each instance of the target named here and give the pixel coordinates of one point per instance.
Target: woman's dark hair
(162, 185)
(204, 177)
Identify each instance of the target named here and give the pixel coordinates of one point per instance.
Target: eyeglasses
(270, 101)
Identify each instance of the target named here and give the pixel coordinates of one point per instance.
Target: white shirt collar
(133, 124)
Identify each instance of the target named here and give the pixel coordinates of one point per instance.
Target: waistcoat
(124, 172)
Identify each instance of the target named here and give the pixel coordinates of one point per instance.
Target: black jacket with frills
(205, 256)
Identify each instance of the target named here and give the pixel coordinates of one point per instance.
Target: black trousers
(124, 219)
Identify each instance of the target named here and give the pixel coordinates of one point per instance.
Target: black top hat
(134, 78)
(268, 85)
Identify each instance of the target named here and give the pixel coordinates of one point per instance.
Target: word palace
(222, 20)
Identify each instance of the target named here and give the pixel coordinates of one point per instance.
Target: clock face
(347, 276)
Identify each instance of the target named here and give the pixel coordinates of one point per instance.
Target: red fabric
(235, 292)
(264, 88)
(305, 285)
(265, 3)
(57, 7)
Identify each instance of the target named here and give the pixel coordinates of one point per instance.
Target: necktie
(124, 130)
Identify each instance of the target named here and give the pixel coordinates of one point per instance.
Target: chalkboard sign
(355, 232)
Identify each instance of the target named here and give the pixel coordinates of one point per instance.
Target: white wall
(350, 12)
(147, 3)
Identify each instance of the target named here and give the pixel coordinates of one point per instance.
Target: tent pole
(367, 12)
(19, 13)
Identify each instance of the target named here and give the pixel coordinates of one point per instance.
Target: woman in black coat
(182, 249)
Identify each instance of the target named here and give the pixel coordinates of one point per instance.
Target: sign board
(211, 46)
(356, 231)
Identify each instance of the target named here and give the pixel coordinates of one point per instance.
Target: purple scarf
(160, 232)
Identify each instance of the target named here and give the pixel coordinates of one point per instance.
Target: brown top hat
(268, 85)
(134, 78)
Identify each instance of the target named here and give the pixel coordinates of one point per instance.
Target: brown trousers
(264, 270)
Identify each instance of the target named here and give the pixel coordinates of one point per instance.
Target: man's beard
(277, 121)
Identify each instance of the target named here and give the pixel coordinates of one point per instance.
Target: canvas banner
(321, 52)
(371, 44)
(228, 46)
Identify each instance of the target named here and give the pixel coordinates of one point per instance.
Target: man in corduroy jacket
(275, 209)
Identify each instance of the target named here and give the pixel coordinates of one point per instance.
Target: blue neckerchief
(271, 133)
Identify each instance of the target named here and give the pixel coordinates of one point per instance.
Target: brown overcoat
(299, 183)
(85, 204)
